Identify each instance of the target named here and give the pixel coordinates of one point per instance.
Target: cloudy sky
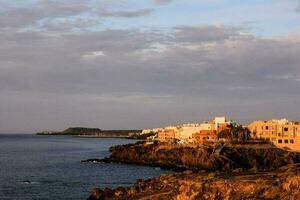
(120, 64)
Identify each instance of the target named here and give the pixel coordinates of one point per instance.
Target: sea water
(49, 167)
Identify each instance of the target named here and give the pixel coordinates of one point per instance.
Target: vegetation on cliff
(235, 133)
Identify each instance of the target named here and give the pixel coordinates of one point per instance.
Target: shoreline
(282, 183)
(92, 136)
(207, 157)
(201, 164)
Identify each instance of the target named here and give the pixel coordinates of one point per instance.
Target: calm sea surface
(52, 164)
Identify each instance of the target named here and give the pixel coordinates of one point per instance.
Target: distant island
(96, 132)
(73, 131)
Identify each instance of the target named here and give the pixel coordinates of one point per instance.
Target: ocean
(52, 165)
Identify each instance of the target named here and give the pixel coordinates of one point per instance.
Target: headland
(98, 133)
(217, 171)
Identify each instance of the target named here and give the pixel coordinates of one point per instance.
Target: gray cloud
(19, 17)
(135, 53)
(127, 14)
(205, 34)
(65, 15)
(162, 1)
(62, 8)
(97, 78)
(297, 3)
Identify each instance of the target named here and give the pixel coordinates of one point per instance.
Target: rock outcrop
(208, 172)
(211, 158)
(283, 183)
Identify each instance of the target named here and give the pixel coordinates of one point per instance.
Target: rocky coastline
(280, 184)
(218, 157)
(219, 171)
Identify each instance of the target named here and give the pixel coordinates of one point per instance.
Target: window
(267, 128)
(292, 141)
(286, 141)
(286, 129)
(279, 141)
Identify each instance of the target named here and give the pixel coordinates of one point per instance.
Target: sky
(132, 64)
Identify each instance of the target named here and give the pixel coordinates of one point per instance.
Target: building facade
(186, 132)
(204, 136)
(209, 130)
(194, 132)
(282, 133)
(168, 134)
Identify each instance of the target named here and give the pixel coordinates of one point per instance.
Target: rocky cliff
(211, 158)
(283, 183)
(208, 172)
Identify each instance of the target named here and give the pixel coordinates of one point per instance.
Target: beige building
(207, 126)
(185, 132)
(146, 131)
(155, 130)
(209, 130)
(282, 133)
(167, 134)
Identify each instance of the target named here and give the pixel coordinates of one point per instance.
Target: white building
(186, 132)
(146, 131)
(206, 126)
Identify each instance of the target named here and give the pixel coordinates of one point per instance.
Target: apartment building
(204, 136)
(186, 132)
(281, 132)
(194, 132)
(167, 134)
(209, 130)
